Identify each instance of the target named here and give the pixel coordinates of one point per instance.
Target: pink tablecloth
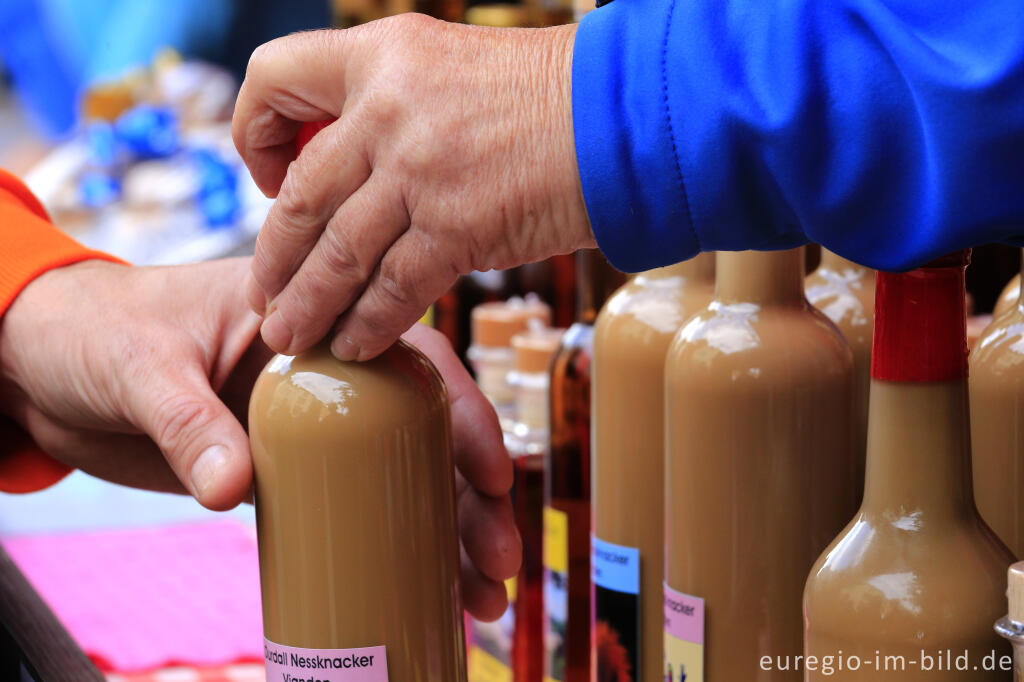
(149, 598)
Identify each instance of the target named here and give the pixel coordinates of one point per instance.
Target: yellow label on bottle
(428, 317)
(510, 589)
(483, 667)
(556, 540)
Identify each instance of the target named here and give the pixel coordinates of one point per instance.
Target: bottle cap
(920, 323)
(1015, 592)
(535, 348)
(307, 132)
(494, 324)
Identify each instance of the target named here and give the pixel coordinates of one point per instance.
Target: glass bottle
(997, 425)
(528, 446)
(845, 292)
(491, 353)
(916, 576)
(631, 336)
(567, 482)
(759, 466)
(1010, 294)
(1011, 626)
(355, 517)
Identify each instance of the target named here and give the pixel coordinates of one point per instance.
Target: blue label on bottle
(616, 567)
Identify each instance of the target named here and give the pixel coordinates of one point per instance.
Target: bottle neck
(919, 448)
(919, 451)
(763, 277)
(836, 263)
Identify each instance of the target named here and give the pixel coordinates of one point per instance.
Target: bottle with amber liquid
(997, 424)
(567, 482)
(528, 446)
(759, 467)
(917, 575)
(355, 518)
(845, 292)
(631, 336)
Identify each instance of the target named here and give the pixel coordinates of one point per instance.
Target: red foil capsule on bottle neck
(921, 323)
(307, 131)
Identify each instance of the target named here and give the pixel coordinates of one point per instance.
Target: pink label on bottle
(292, 664)
(684, 616)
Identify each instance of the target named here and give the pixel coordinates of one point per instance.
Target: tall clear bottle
(528, 445)
(355, 516)
(997, 425)
(845, 292)
(759, 467)
(567, 482)
(916, 576)
(631, 336)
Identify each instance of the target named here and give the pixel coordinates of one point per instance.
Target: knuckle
(339, 258)
(178, 418)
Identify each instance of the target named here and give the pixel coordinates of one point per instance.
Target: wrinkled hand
(452, 152)
(142, 376)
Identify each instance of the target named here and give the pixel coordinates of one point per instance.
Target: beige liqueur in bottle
(845, 292)
(631, 336)
(997, 425)
(355, 514)
(759, 467)
(910, 589)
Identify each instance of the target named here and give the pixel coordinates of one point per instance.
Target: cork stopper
(1015, 592)
(494, 324)
(535, 348)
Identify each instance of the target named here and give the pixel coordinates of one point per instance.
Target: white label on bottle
(293, 664)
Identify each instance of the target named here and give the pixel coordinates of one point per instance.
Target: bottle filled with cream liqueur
(355, 518)
(760, 459)
(997, 424)
(917, 575)
(631, 337)
(845, 292)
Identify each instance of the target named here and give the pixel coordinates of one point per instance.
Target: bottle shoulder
(316, 392)
(847, 300)
(999, 351)
(796, 343)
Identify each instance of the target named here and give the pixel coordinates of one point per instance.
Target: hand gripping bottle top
(355, 515)
(910, 589)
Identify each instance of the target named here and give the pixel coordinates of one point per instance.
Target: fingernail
(206, 467)
(254, 294)
(276, 333)
(344, 348)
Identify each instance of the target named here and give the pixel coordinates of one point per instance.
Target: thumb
(200, 438)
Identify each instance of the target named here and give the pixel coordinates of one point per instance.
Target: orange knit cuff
(29, 246)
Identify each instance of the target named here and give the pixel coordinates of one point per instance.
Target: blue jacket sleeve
(889, 131)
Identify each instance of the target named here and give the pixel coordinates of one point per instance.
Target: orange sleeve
(29, 246)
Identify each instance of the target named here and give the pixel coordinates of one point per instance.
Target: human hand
(452, 152)
(142, 376)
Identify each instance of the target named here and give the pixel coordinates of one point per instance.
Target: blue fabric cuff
(635, 193)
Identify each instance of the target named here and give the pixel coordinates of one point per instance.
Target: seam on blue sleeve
(668, 117)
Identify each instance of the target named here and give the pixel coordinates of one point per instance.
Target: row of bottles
(762, 440)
